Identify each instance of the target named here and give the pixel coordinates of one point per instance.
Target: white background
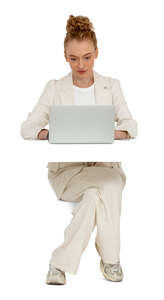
(130, 42)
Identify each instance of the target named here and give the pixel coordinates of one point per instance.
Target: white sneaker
(111, 272)
(55, 276)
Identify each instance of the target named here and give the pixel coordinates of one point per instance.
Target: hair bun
(79, 23)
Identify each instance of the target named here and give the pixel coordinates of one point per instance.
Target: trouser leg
(108, 212)
(101, 191)
(77, 234)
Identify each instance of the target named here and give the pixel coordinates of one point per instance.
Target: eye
(73, 59)
(88, 57)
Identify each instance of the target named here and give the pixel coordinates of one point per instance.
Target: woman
(97, 187)
(81, 86)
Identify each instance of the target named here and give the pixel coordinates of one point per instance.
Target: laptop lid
(81, 124)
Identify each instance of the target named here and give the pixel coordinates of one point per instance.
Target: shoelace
(55, 271)
(113, 268)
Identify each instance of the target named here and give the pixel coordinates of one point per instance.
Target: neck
(83, 82)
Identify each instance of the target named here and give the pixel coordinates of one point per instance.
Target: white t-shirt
(84, 96)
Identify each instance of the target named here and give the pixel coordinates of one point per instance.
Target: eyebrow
(83, 55)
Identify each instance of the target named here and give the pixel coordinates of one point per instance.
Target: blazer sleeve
(123, 117)
(39, 117)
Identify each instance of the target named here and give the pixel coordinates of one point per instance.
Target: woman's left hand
(43, 134)
(121, 135)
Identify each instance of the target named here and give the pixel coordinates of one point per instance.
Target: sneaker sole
(54, 283)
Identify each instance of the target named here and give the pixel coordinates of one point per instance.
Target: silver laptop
(81, 124)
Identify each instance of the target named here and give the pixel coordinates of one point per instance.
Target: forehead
(79, 48)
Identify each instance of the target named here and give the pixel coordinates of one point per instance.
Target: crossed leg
(99, 191)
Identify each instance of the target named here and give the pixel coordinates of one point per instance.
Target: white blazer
(107, 91)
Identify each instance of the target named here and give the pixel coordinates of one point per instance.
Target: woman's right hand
(43, 134)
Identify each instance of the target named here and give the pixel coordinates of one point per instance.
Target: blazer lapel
(103, 93)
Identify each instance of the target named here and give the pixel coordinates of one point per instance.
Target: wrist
(127, 135)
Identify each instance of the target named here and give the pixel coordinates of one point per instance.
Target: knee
(113, 184)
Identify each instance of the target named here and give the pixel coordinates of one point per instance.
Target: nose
(81, 64)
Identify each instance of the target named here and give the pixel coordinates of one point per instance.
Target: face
(81, 56)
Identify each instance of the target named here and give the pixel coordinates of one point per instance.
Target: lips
(82, 71)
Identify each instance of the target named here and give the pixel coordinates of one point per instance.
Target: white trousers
(98, 191)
